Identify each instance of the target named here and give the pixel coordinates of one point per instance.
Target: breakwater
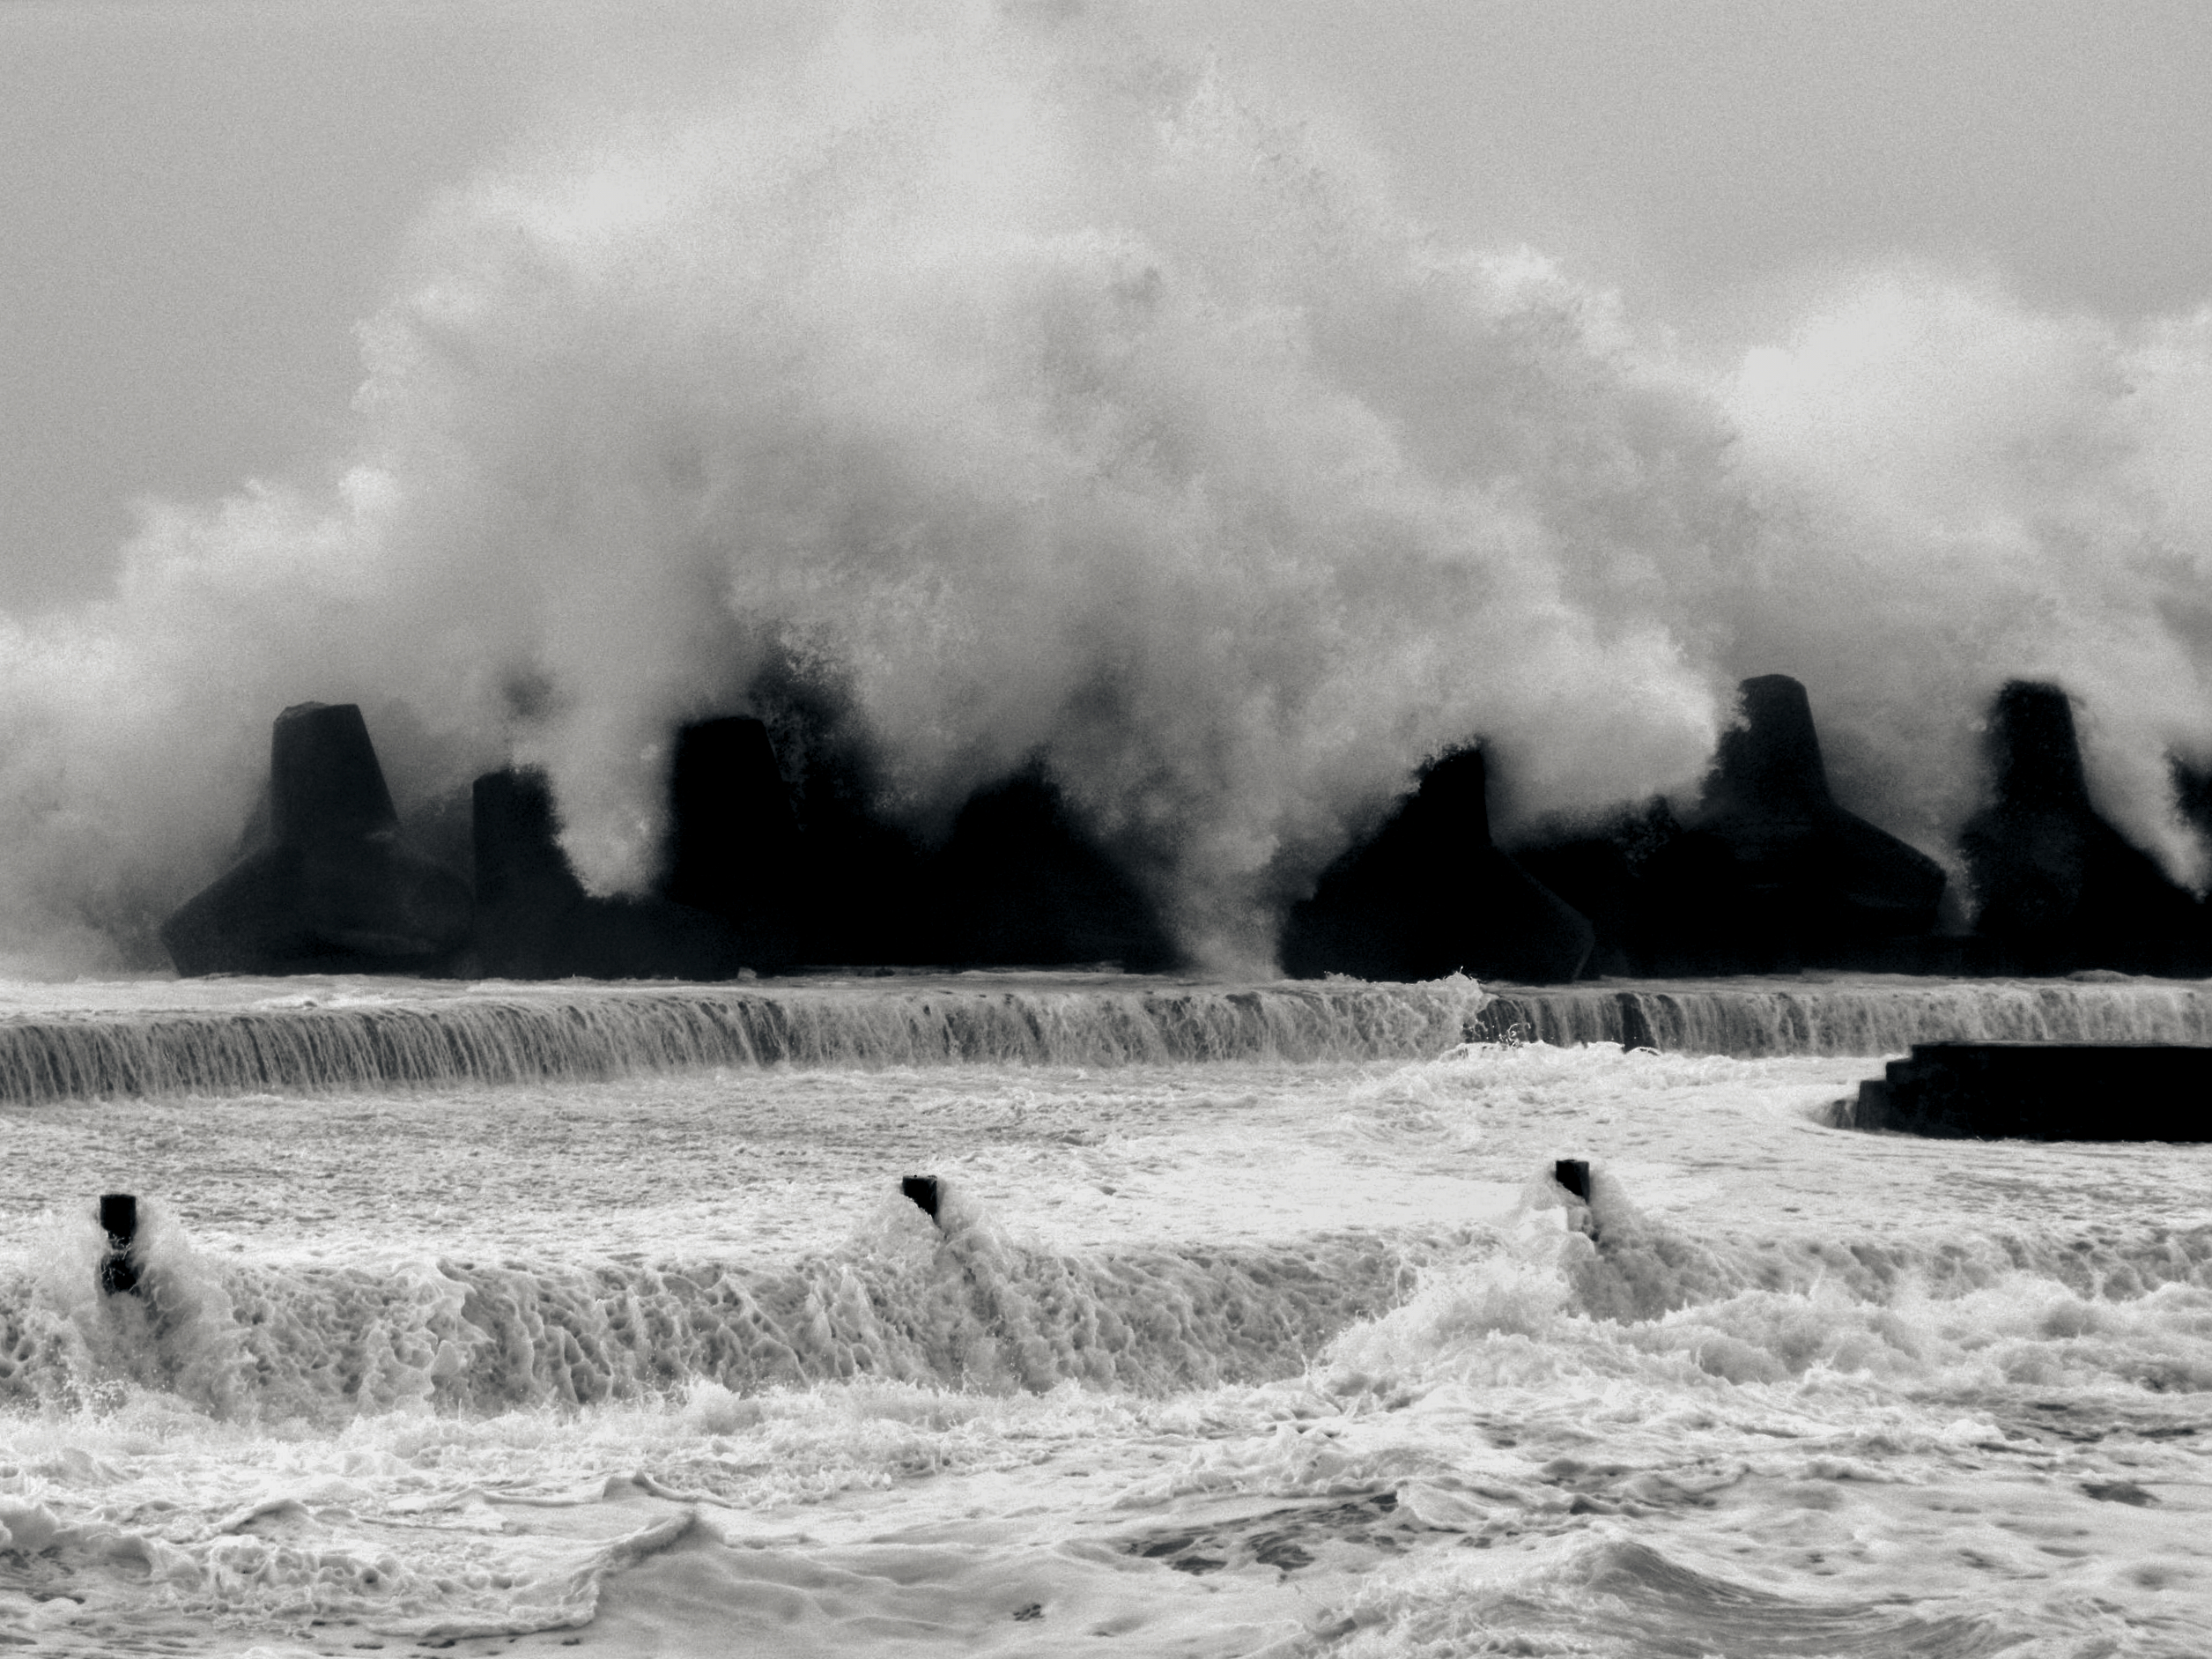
(1752, 1018)
(498, 1034)
(519, 1034)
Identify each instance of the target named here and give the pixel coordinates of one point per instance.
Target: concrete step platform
(2044, 1092)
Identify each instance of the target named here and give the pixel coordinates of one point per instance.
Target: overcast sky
(198, 200)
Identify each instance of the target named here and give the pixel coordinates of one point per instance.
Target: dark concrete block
(859, 893)
(117, 1274)
(863, 891)
(332, 890)
(527, 898)
(333, 907)
(441, 830)
(2044, 1090)
(535, 921)
(1596, 876)
(1770, 874)
(1018, 881)
(733, 842)
(324, 783)
(2058, 888)
(1429, 895)
(1018, 884)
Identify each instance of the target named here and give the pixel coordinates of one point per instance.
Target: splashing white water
(1049, 398)
(1205, 1357)
(229, 1037)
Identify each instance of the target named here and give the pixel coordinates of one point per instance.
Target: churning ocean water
(506, 1319)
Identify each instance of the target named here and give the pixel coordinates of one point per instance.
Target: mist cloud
(1057, 401)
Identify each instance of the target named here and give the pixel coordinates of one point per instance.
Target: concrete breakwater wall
(524, 1034)
(769, 867)
(518, 1033)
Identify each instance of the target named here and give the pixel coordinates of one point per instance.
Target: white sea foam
(1038, 396)
(1207, 1357)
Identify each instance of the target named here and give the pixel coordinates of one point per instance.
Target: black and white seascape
(1065, 828)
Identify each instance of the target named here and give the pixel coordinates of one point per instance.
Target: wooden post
(924, 1191)
(118, 1273)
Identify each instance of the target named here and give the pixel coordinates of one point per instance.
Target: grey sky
(197, 201)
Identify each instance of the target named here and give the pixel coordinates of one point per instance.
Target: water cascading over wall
(518, 1034)
(971, 1308)
(1749, 1018)
(521, 1034)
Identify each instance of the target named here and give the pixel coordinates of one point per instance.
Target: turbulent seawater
(1295, 1349)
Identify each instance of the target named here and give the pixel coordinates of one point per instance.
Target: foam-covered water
(233, 1036)
(1253, 1354)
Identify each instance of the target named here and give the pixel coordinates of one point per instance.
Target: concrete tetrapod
(2059, 888)
(1429, 894)
(1770, 873)
(334, 891)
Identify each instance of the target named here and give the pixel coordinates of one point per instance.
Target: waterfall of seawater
(514, 1034)
(1748, 1019)
(959, 1306)
(572, 1032)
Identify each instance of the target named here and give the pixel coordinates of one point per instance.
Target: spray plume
(1050, 401)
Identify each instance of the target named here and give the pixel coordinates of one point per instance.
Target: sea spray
(1053, 400)
(951, 1304)
(1387, 1391)
(1535, 1400)
(957, 1302)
